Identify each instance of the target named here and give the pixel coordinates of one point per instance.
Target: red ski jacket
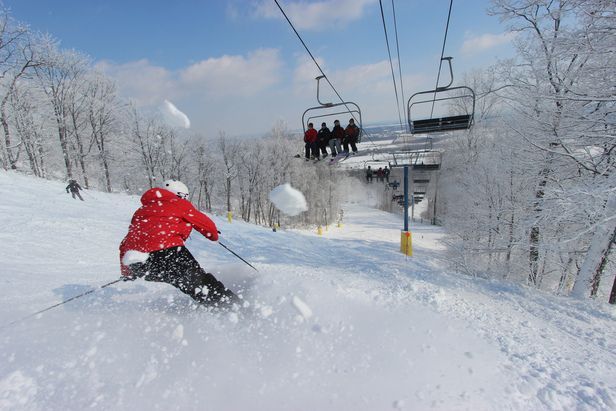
(163, 221)
(310, 136)
(352, 132)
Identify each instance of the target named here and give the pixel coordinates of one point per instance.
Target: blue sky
(236, 66)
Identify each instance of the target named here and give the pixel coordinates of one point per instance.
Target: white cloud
(306, 70)
(305, 73)
(348, 80)
(478, 44)
(234, 75)
(363, 75)
(173, 116)
(315, 15)
(141, 81)
(211, 92)
(247, 93)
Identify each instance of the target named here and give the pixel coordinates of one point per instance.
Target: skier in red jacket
(154, 246)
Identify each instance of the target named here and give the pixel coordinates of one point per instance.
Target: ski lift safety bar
(354, 110)
(428, 158)
(311, 118)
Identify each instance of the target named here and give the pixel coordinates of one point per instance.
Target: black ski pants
(178, 267)
(322, 145)
(312, 149)
(350, 141)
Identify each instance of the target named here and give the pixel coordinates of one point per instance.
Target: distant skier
(154, 246)
(74, 188)
(369, 174)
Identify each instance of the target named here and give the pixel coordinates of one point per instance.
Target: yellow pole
(230, 216)
(319, 231)
(406, 243)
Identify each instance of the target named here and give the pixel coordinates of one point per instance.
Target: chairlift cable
(320, 69)
(440, 63)
(406, 120)
(399, 63)
(391, 64)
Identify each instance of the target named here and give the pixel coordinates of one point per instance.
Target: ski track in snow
(338, 322)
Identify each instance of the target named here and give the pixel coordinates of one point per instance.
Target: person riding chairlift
(324, 136)
(351, 133)
(336, 139)
(312, 143)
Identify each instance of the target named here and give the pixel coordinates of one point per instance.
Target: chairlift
(317, 113)
(441, 95)
(418, 160)
(376, 164)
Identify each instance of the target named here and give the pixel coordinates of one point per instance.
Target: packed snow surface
(288, 200)
(341, 321)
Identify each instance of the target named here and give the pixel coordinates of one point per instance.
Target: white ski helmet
(176, 187)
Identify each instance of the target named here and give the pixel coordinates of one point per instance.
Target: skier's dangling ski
(339, 157)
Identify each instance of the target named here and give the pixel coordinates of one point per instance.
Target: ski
(339, 157)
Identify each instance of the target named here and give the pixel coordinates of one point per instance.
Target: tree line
(529, 193)
(63, 119)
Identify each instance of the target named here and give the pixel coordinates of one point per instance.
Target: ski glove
(135, 272)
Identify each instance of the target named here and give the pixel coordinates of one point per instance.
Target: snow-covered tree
(229, 149)
(103, 117)
(60, 75)
(564, 112)
(17, 58)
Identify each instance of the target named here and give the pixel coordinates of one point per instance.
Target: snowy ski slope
(338, 322)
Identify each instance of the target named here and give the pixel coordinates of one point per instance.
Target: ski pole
(231, 251)
(63, 302)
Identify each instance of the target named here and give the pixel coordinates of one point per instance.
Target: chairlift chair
(441, 95)
(312, 114)
(375, 164)
(418, 160)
